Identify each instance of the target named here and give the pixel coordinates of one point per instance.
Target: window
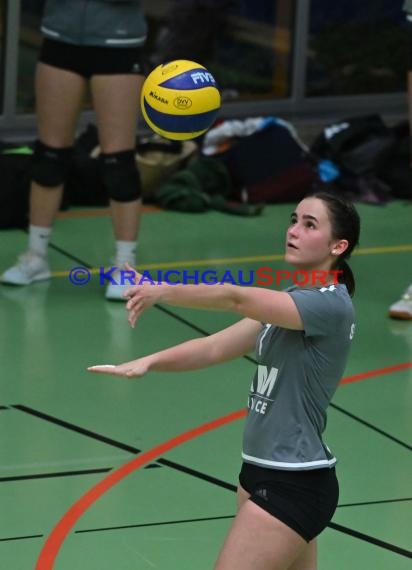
(253, 60)
(246, 44)
(357, 47)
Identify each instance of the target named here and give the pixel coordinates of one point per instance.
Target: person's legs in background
(116, 103)
(59, 97)
(402, 309)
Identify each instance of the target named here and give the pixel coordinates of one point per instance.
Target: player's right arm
(227, 344)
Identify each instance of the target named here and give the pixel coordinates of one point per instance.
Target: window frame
(297, 106)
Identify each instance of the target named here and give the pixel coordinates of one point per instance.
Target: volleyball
(180, 100)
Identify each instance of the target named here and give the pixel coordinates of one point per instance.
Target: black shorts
(304, 500)
(93, 60)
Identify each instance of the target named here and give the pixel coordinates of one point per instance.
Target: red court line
(59, 533)
(377, 372)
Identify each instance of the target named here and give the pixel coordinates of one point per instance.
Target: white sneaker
(29, 268)
(114, 292)
(402, 309)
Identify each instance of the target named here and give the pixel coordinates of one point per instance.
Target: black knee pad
(120, 176)
(50, 165)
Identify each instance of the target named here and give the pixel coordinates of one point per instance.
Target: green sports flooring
(79, 482)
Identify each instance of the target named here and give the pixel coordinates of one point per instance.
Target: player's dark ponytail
(347, 277)
(345, 223)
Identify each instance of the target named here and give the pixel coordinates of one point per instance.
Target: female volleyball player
(288, 489)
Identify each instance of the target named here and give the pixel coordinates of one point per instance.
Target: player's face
(309, 237)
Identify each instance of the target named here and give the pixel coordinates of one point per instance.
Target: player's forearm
(218, 297)
(190, 355)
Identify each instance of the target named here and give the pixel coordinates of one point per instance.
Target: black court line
(203, 476)
(77, 429)
(67, 254)
(380, 502)
(194, 327)
(21, 537)
(371, 539)
(54, 475)
(337, 527)
(371, 426)
(145, 525)
(182, 320)
(198, 474)
(120, 445)
(65, 473)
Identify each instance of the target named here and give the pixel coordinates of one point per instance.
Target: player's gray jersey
(297, 375)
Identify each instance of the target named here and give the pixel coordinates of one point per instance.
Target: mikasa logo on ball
(158, 98)
(182, 102)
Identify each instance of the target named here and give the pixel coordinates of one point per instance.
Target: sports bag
(357, 145)
(270, 165)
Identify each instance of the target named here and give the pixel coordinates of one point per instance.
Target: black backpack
(358, 145)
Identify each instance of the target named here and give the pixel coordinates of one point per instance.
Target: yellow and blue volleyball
(180, 100)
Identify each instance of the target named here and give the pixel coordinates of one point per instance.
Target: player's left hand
(133, 369)
(140, 297)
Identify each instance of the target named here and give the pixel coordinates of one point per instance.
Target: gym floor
(100, 473)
